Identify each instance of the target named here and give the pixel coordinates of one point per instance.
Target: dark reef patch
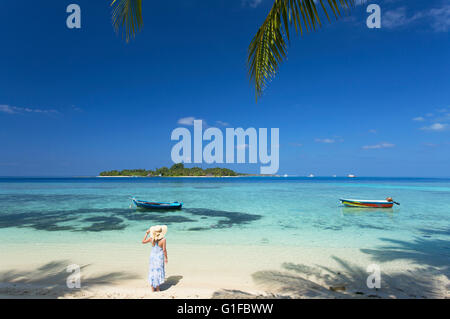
(104, 223)
(198, 228)
(139, 216)
(367, 226)
(336, 228)
(13, 199)
(52, 220)
(439, 231)
(51, 227)
(107, 219)
(157, 217)
(103, 219)
(231, 218)
(173, 219)
(37, 220)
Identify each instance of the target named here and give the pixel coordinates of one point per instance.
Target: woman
(158, 255)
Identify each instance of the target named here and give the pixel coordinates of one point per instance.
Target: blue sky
(372, 102)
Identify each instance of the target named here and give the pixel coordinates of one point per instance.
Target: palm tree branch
(268, 47)
(127, 17)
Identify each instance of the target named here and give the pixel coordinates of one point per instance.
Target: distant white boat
(334, 175)
(311, 175)
(285, 175)
(351, 176)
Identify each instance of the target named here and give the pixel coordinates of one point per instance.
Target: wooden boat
(387, 203)
(156, 205)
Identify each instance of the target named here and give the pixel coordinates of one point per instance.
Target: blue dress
(156, 272)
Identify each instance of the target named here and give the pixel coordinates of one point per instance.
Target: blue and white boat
(156, 205)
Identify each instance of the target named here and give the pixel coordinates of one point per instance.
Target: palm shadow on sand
(49, 281)
(426, 250)
(170, 282)
(427, 279)
(348, 281)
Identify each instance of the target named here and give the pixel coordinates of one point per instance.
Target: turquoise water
(260, 211)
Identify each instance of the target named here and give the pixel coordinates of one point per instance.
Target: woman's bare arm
(165, 251)
(146, 240)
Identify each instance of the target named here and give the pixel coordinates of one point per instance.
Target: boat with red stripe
(387, 203)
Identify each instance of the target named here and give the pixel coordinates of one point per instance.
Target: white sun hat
(158, 232)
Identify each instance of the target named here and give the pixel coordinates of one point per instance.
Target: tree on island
(268, 47)
(174, 170)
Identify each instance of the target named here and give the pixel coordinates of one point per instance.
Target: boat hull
(366, 203)
(157, 205)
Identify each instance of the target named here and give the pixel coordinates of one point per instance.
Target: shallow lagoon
(289, 231)
(292, 211)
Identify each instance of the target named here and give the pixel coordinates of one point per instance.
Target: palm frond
(127, 16)
(268, 47)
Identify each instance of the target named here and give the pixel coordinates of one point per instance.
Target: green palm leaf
(127, 16)
(268, 47)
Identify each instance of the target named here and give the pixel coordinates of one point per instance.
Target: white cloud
(378, 146)
(435, 127)
(251, 3)
(325, 140)
(221, 123)
(439, 18)
(397, 18)
(443, 118)
(440, 120)
(330, 140)
(21, 110)
(7, 109)
(187, 120)
(76, 109)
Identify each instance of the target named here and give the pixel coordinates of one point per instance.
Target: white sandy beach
(120, 271)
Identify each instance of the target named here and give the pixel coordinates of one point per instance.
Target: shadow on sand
(426, 250)
(170, 282)
(427, 278)
(348, 281)
(49, 281)
(239, 294)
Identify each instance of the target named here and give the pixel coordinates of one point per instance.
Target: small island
(176, 170)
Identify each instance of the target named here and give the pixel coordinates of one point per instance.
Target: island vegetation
(174, 170)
